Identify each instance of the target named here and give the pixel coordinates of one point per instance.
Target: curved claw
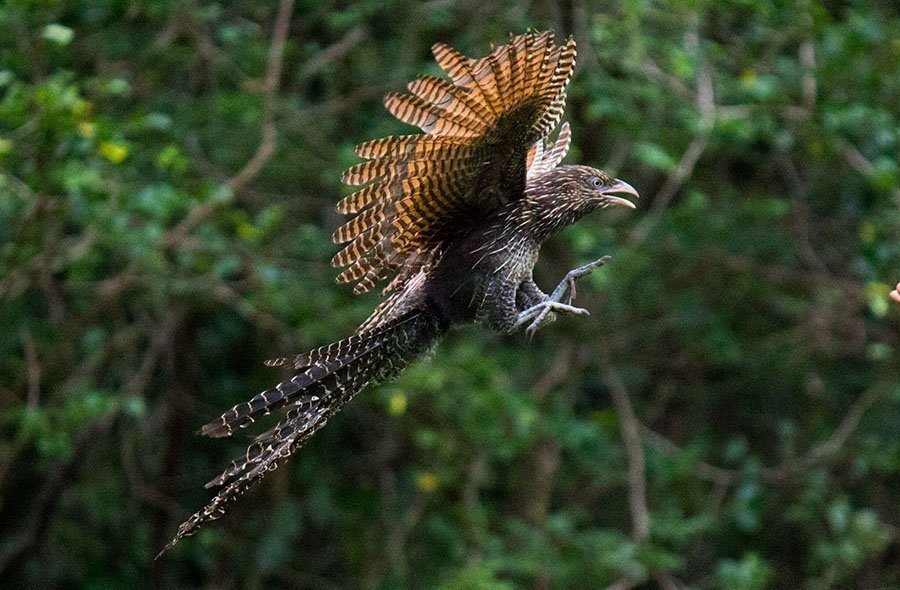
(545, 318)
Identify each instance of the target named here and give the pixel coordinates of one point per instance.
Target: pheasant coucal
(453, 219)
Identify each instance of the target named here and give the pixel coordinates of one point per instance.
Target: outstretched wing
(418, 191)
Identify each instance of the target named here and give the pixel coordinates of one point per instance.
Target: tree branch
(706, 106)
(705, 471)
(47, 497)
(630, 429)
(820, 453)
(859, 163)
(264, 151)
(690, 157)
(631, 438)
(269, 132)
(33, 368)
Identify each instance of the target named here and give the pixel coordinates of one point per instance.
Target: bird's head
(567, 193)
(589, 188)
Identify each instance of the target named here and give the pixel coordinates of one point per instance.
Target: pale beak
(620, 187)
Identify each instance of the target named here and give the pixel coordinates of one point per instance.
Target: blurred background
(727, 417)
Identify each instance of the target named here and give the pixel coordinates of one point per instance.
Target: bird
(451, 220)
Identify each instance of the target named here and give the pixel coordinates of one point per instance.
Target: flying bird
(451, 220)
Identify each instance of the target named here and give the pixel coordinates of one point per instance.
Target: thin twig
(807, 57)
(269, 132)
(136, 385)
(705, 471)
(629, 426)
(834, 443)
(634, 452)
(706, 107)
(264, 151)
(333, 52)
(558, 372)
(623, 584)
(666, 580)
(859, 163)
(33, 369)
(819, 454)
(47, 497)
(652, 71)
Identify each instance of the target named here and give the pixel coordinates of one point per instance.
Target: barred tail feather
(314, 395)
(317, 381)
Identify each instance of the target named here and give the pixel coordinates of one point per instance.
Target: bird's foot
(565, 291)
(539, 314)
(564, 294)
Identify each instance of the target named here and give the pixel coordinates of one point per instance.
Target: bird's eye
(596, 182)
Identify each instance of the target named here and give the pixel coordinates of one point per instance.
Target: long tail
(329, 377)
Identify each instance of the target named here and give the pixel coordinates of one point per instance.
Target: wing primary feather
(484, 133)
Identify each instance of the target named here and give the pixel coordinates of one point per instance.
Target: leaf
(58, 34)
(654, 156)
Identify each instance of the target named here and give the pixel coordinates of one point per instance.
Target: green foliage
(744, 313)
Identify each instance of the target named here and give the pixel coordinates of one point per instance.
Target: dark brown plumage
(453, 220)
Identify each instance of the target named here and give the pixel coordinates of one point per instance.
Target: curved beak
(620, 187)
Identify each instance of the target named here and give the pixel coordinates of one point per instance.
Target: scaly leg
(541, 312)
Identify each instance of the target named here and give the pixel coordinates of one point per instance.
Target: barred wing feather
(418, 191)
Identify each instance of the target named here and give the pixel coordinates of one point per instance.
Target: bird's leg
(564, 291)
(568, 282)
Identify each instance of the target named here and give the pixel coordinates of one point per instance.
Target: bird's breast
(476, 274)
